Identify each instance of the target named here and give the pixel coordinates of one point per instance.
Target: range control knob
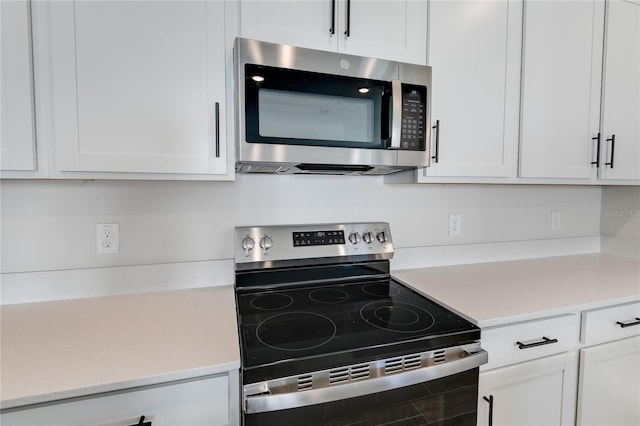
(247, 244)
(266, 242)
(381, 237)
(367, 237)
(354, 238)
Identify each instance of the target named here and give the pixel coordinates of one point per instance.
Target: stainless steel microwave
(309, 111)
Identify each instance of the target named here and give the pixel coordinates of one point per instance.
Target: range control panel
(300, 242)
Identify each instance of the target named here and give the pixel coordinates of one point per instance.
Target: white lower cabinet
(208, 401)
(609, 385)
(609, 392)
(531, 375)
(538, 392)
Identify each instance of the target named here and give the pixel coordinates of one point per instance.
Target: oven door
(450, 400)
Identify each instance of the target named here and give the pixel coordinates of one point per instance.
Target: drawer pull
(142, 422)
(630, 323)
(490, 401)
(544, 341)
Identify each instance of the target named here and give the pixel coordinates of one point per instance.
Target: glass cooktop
(293, 330)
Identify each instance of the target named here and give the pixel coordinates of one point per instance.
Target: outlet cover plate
(107, 238)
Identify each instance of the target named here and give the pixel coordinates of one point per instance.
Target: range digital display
(318, 238)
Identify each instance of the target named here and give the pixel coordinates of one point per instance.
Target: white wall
(50, 225)
(620, 225)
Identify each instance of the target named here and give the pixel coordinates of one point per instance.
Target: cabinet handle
(612, 139)
(332, 30)
(217, 129)
(347, 32)
(630, 323)
(436, 156)
(141, 422)
(544, 341)
(490, 401)
(597, 162)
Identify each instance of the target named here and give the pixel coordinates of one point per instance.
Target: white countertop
(63, 349)
(497, 293)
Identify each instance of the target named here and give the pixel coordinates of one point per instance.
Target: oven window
(285, 106)
(447, 401)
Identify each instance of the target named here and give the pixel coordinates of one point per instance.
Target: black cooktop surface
(293, 330)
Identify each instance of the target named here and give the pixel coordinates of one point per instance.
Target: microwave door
(292, 107)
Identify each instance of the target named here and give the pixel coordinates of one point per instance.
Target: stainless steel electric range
(328, 337)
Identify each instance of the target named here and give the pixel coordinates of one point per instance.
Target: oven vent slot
(305, 382)
(338, 376)
(393, 365)
(409, 362)
(412, 361)
(439, 356)
(360, 372)
(355, 372)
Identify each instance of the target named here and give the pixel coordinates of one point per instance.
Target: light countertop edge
(128, 385)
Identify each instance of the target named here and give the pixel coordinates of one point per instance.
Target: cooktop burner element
(400, 317)
(379, 289)
(311, 330)
(271, 301)
(328, 295)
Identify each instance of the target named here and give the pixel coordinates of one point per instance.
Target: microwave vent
(263, 168)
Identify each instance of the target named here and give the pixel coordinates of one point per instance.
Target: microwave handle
(396, 118)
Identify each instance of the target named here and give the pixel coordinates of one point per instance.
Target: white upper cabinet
(474, 49)
(560, 88)
(392, 29)
(17, 143)
(135, 87)
(621, 92)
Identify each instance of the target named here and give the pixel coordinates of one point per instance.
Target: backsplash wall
(620, 226)
(50, 225)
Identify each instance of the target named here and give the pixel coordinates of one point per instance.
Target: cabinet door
(474, 64)
(392, 29)
(609, 392)
(298, 23)
(17, 141)
(538, 392)
(560, 88)
(136, 86)
(395, 30)
(621, 91)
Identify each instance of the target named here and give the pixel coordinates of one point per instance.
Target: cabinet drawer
(528, 340)
(607, 324)
(198, 402)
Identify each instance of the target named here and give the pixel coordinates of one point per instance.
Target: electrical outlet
(455, 223)
(107, 238)
(555, 220)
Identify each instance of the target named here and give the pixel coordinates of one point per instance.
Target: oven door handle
(262, 401)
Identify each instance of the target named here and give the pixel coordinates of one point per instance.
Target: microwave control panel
(414, 100)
